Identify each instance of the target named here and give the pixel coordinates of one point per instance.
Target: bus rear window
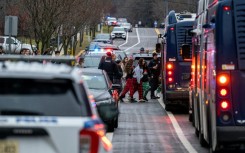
(44, 97)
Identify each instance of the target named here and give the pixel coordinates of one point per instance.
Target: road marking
(125, 42)
(109, 136)
(138, 36)
(179, 131)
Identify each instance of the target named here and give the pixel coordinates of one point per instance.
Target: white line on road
(109, 136)
(125, 42)
(179, 131)
(137, 32)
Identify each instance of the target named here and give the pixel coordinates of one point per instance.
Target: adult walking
(109, 65)
(155, 68)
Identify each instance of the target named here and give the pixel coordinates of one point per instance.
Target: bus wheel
(213, 151)
(196, 132)
(202, 140)
(191, 117)
(167, 107)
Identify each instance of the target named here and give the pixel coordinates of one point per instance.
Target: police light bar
(38, 58)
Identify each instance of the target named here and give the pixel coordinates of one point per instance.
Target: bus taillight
(226, 8)
(170, 80)
(170, 66)
(224, 105)
(170, 73)
(223, 92)
(223, 79)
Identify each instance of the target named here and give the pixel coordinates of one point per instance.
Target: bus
(217, 89)
(176, 70)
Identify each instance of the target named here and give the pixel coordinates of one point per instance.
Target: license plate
(9, 147)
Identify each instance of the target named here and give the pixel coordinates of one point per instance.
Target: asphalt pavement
(140, 37)
(148, 127)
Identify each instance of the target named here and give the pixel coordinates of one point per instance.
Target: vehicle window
(1, 40)
(11, 41)
(95, 81)
(118, 29)
(91, 61)
(42, 97)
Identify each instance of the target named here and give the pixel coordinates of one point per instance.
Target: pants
(136, 87)
(128, 87)
(146, 88)
(154, 85)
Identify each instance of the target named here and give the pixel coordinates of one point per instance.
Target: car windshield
(102, 36)
(118, 29)
(41, 97)
(95, 81)
(112, 19)
(126, 24)
(91, 61)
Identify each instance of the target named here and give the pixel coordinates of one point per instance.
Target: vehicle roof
(37, 70)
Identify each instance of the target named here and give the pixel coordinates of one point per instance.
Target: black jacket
(109, 66)
(155, 72)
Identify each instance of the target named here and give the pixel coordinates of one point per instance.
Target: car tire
(110, 127)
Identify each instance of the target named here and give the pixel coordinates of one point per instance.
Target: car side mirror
(185, 51)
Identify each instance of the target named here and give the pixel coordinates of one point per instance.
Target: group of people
(142, 78)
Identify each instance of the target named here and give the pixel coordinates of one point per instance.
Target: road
(148, 127)
(140, 37)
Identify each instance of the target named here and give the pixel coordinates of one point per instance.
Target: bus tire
(167, 107)
(196, 132)
(190, 117)
(202, 140)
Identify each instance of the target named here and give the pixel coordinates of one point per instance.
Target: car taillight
(91, 136)
(170, 80)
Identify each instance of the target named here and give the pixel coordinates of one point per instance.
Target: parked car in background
(16, 45)
(105, 38)
(105, 94)
(118, 32)
(127, 26)
(47, 106)
(111, 21)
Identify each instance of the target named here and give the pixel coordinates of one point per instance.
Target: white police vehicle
(46, 109)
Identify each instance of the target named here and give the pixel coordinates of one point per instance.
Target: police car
(46, 109)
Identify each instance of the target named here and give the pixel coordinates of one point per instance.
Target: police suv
(46, 109)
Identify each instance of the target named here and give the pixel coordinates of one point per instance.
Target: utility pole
(166, 7)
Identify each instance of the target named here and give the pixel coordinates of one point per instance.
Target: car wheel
(110, 127)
